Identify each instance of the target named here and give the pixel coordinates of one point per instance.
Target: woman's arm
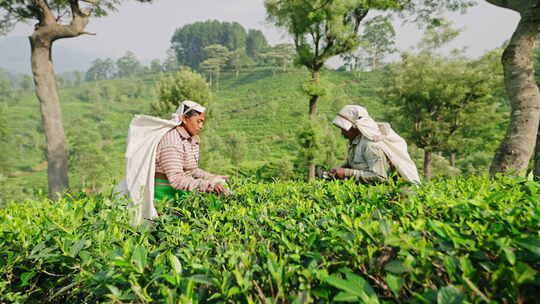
(171, 163)
(377, 166)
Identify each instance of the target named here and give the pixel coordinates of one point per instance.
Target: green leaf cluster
(458, 240)
(174, 88)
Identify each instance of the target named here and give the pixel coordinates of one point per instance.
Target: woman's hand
(220, 190)
(338, 173)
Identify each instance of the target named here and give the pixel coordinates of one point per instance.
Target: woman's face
(351, 134)
(193, 124)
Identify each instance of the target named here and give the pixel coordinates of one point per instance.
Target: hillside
(265, 111)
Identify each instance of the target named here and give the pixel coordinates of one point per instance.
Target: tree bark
(515, 151)
(315, 78)
(536, 171)
(46, 32)
(51, 114)
(427, 164)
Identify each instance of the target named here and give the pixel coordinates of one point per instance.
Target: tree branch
(520, 6)
(80, 18)
(47, 17)
(499, 3)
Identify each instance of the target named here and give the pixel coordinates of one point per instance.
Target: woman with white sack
(162, 160)
(374, 149)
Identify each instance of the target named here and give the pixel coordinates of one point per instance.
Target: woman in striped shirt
(177, 158)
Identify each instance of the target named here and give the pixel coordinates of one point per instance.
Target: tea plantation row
(471, 240)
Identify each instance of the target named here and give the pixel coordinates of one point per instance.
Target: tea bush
(460, 240)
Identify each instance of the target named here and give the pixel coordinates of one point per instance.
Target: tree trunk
(315, 78)
(515, 151)
(536, 171)
(427, 164)
(453, 159)
(51, 114)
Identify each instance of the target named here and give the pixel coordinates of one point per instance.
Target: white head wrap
(145, 133)
(390, 142)
(184, 107)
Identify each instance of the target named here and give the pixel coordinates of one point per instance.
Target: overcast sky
(146, 29)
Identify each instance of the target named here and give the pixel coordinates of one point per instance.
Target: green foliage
(437, 36)
(216, 56)
(236, 147)
(175, 88)
(459, 240)
(171, 62)
(238, 60)
(5, 151)
(189, 41)
(6, 91)
(445, 102)
(281, 55)
(316, 87)
(128, 65)
(101, 69)
(376, 42)
(309, 140)
(155, 67)
(88, 158)
(255, 43)
(322, 29)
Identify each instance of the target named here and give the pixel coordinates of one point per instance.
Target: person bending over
(374, 149)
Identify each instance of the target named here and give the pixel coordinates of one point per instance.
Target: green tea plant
(461, 240)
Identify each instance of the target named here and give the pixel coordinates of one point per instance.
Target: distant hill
(15, 56)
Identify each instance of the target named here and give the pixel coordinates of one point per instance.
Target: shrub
(472, 240)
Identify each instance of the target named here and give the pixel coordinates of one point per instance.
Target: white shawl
(388, 140)
(145, 133)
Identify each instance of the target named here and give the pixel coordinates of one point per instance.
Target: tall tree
(6, 91)
(281, 55)
(155, 67)
(216, 57)
(190, 40)
(321, 29)
(128, 65)
(101, 69)
(56, 19)
(239, 59)
(171, 62)
(438, 99)
(172, 89)
(255, 43)
(377, 41)
(517, 147)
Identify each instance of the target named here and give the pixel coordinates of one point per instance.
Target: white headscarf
(390, 142)
(185, 107)
(145, 133)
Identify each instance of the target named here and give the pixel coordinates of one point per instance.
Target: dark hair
(190, 112)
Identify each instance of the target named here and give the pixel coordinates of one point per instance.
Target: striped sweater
(177, 157)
